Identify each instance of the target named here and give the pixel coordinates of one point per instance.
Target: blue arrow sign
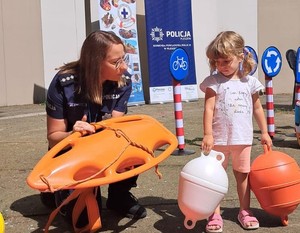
(254, 55)
(271, 61)
(179, 64)
(298, 66)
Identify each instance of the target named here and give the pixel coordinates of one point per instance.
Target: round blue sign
(297, 68)
(179, 64)
(254, 55)
(271, 61)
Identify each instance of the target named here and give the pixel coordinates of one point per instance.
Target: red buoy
(275, 181)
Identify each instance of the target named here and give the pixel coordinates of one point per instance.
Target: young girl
(231, 99)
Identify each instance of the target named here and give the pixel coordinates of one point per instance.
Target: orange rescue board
(121, 148)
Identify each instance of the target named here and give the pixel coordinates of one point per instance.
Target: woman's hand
(57, 129)
(81, 126)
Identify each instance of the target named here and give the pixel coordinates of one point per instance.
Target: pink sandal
(247, 220)
(214, 224)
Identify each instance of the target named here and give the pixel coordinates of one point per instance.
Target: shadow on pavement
(31, 207)
(170, 217)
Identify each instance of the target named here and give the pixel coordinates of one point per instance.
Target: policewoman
(88, 90)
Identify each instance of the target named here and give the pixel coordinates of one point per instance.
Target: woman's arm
(57, 129)
(117, 113)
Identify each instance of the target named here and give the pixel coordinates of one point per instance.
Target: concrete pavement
(23, 143)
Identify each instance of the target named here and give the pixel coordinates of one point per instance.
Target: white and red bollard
(297, 92)
(178, 65)
(297, 120)
(270, 106)
(271, 62)
(178, 114)
(297, 111)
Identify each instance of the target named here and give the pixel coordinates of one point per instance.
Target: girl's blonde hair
(228, 44)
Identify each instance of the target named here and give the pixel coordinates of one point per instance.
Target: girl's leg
(215, 222)
(245, 217)
(243, 189)
(241, 168)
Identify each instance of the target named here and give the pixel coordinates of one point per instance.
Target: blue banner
(120, 17)
(168, 27)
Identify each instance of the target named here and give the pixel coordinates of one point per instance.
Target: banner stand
(169, 26)
(120, 18)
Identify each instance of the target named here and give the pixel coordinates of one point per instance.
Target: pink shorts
(240, 156)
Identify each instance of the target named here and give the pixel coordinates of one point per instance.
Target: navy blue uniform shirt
(64, 103)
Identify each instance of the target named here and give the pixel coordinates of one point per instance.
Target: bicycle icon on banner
(180, 63)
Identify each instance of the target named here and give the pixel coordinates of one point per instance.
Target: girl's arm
(208, 141)
(260, 118)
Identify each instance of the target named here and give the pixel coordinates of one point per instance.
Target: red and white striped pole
(271, 64)
(297, 112)
(178, 114)
(178, 65)
(270, 106)
(297, 95)
(297, 92)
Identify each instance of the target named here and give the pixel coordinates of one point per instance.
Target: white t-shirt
(232, 120)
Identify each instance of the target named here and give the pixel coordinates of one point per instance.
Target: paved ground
(23, 143)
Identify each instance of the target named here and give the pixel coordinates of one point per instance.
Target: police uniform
(64, 103)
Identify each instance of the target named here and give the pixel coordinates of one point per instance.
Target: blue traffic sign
(271, 61)
(298, 66)
(254, 55)
(179, 64)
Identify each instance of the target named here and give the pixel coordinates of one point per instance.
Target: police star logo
(157, 34)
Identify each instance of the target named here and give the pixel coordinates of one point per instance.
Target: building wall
(211, 17)
(279, 26)
(3, 91)
(38, 36)
(63, 27)
(21, 61)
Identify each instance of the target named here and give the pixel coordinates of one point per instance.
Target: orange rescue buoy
(275, 180)
(121, 148)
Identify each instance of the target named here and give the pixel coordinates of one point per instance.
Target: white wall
(63, 31)
(21, 66)
(204, 29)
(94, 10)
(211, 17)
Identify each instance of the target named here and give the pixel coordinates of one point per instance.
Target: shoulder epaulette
(66, 80)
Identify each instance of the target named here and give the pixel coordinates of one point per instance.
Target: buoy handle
(189, 223)
(219, 156)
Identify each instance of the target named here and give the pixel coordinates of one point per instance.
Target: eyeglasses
(124, 59)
